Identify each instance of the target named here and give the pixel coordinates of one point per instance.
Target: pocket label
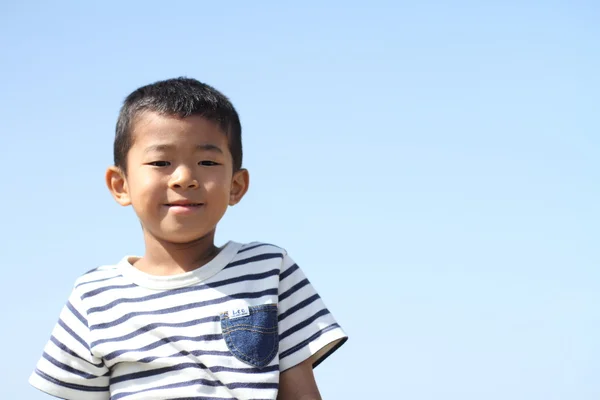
(238, 312)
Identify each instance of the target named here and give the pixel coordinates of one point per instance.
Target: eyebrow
(200, 147)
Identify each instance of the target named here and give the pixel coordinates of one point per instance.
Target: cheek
(217, 184)
(145, 188)
(149, 183)
(217, 193)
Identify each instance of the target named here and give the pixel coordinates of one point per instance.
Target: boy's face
(179, 177)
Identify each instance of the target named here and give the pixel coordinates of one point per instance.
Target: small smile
(183, 203)
(183, 207)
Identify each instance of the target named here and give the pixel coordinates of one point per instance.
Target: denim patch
(253, 337)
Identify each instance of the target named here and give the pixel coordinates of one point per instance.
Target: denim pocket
(253, 337)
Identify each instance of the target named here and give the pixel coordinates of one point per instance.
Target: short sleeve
(67, 368)
(306, 327)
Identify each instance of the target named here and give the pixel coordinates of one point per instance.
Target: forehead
(151, 128)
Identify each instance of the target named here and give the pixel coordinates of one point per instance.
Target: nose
(183, 177)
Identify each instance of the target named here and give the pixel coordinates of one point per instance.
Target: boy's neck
(166, 258)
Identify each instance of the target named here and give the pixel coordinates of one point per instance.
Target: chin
(179, 234)
(184, 238)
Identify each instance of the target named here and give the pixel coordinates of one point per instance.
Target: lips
(183, 203)
(184, 208)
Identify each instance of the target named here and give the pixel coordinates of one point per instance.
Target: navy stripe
(251, 295)
(157, 371)
(158, 343)
(150, 327)
(73, 334)
(196, 353)
(92, 270)
(72, 353)
(243, 249)
(84, 388)
(298, 306)
(303, 343)
(252, 385)
(204, 382)
(293, 289)
(106, 288)
(67, 368)
(260, 257)
(249, 277)
(145, 298)
(288, 272)
(303, 324)
(182, 366)
(77, 314)
(187, 289)
(98, 280)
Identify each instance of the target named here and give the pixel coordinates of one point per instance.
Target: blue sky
(432, 166)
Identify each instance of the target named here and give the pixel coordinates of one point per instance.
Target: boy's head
(180, 97)
(178, 156)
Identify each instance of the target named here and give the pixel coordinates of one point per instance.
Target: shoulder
(101, 276)
(261, 250)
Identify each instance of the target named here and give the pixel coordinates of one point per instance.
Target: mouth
(183, 208)
(184, 204)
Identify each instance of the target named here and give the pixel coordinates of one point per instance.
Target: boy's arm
(308, 334)
(298, 383)
(67, 368)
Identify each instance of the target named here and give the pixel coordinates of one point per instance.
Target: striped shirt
(223, 331)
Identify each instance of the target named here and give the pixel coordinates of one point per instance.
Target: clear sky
(433, 167)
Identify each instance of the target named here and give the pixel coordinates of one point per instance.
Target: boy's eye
(207, 163)
(160, 163)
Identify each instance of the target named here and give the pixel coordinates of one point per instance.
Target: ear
(239, 186)
(117, 184)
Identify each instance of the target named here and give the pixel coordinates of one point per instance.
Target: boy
(187, 320)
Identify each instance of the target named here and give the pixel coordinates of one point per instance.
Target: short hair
(181, 97)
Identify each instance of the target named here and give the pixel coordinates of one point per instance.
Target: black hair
(181, 97)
